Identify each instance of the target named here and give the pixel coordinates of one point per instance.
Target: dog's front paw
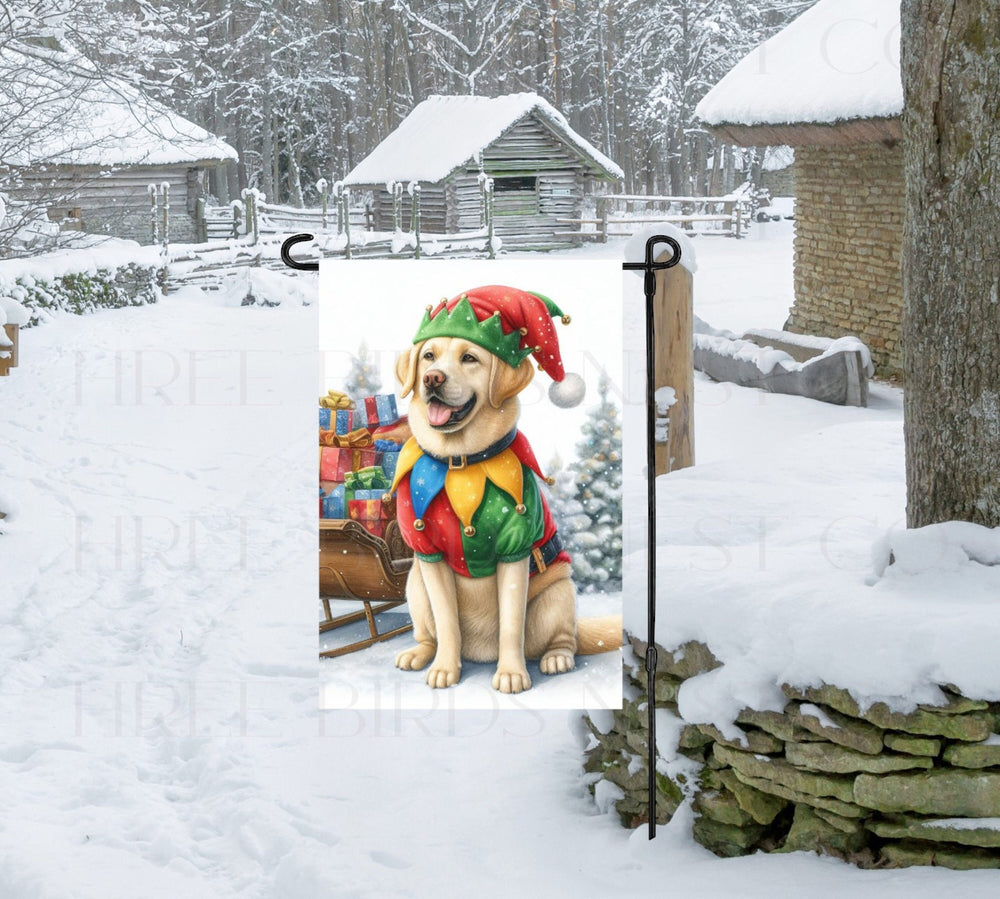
(416, 657)
(511, 680)
(441, 676)
(557, 661)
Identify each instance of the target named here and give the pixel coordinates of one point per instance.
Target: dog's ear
(507, 381)
(406, 368)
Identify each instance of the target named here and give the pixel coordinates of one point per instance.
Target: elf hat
(510, 323)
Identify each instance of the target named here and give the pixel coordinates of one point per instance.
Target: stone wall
(848, 241)
(873, 786)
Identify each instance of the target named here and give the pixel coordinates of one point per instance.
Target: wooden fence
(621, 215)
(341, 228)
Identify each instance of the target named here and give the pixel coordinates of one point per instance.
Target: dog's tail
(595, 635)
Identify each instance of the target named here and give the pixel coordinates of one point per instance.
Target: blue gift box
(389, 462)
(369, 494)
(385, 403)
(344, 423)
(324, 418)
(333, 503)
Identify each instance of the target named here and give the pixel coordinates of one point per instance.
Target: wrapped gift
(385, 403)
(390, 457)
(334, 503)
(380, 410)
(371, 478)
(369, 494)
(337, 462)
(324, 419)
(344, 421)
(330, 459)
(370, 413)
(368, 513)
(320, 502)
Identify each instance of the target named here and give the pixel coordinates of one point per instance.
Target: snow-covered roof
(58, 108)
(445, 132)
(836, 62)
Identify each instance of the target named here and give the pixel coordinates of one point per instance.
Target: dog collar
(459, 462)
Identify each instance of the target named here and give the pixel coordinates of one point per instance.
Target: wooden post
(415, 219)
(165, 188)
(673, 320)
(491, 252)
(602, 214)
(201, 226)
(153, 219)
(321, 185)
(345, 196)
(9, 362)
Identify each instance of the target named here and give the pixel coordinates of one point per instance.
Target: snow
(444, 132)
(635, 246)
(766, 545)
(159, 686)
(766, 357)
(105, 253)
(67, 112)
(839, 60)
(945, 546)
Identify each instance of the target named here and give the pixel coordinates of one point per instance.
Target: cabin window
(519, 183)
(515, 195)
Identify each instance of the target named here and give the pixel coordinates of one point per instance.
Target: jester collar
(463, 478)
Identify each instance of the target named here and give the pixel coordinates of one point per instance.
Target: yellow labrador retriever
(464, 414)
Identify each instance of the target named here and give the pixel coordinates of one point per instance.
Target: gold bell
(520, 508)
(566, 319)
(387, 497)
(418, 524)
(469, 531)
(551, 481)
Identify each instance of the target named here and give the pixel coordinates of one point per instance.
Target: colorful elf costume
(475, 511)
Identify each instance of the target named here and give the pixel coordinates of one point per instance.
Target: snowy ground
(161, 736)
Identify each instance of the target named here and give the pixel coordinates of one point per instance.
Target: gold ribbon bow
(335, 399)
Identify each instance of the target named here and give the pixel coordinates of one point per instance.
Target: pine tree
(363, 379)
(592, 507)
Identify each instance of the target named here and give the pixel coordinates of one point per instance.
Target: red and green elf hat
(511, 323)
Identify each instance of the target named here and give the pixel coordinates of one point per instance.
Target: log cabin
(83, 147)
(542, 170)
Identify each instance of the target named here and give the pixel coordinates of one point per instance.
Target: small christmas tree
(591, 504)
(363, 379)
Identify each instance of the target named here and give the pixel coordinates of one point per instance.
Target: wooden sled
(356, 565)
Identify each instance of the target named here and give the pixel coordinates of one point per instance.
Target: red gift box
(368, 513)
(335, 462)
(371, 413)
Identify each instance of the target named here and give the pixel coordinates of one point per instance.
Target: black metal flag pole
(649, 267)
(290, 261)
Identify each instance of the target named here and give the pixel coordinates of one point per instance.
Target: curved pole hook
(286, 255)
(649, 266)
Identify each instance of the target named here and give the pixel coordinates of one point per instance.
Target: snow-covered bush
(82, 292)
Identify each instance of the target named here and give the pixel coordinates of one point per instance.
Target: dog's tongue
(438, 413)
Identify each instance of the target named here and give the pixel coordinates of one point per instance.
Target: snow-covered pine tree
(591, 504)
(363, 378)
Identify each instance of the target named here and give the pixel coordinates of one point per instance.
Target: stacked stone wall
(848, 243)
(869, 785)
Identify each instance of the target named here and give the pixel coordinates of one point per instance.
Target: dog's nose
(434, 378)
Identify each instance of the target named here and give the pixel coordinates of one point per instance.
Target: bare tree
(951, 260)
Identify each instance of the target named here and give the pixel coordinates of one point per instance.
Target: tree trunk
(951, 260)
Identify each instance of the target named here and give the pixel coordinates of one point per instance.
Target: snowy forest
(305, 90)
